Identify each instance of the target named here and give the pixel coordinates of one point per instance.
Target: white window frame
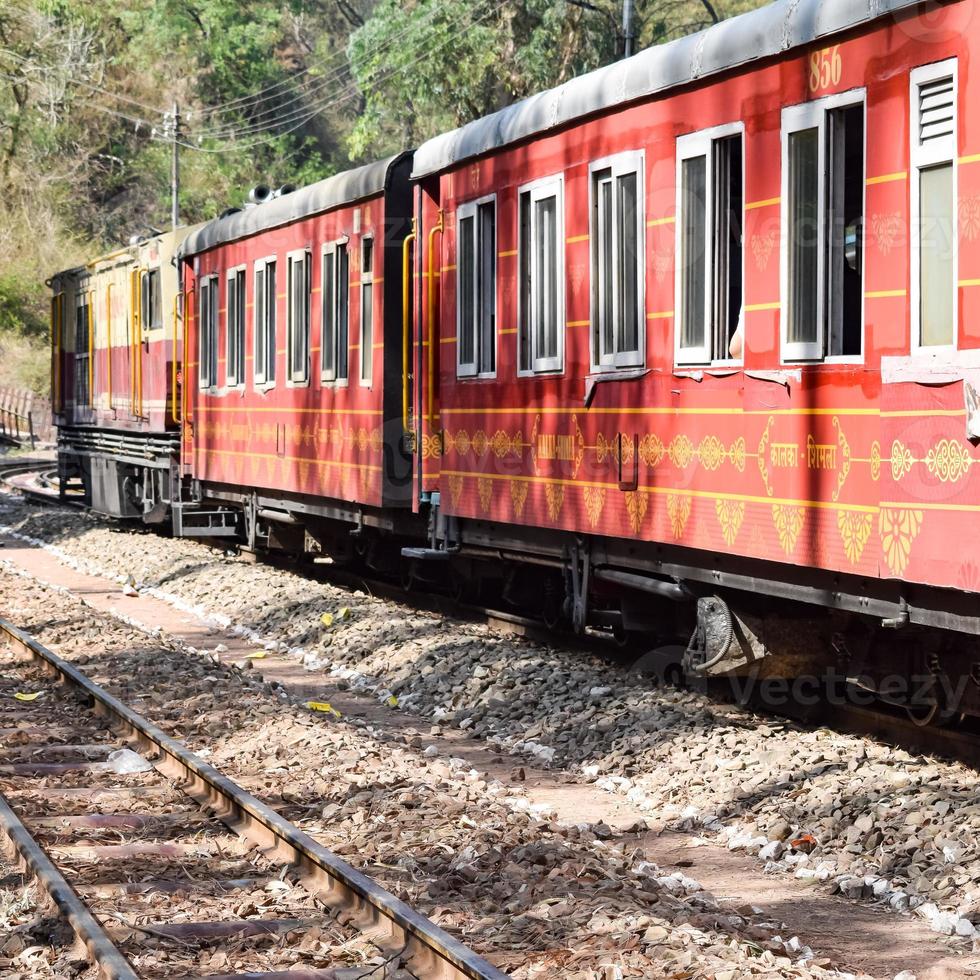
(146, 308)
(261, 378)
(813, 115)
(231, 275)
(538, 190)
(922, 158)
(341, 290)
(619, 165)
(366, 360)
(293, 258)
(210, 382)
(471, 209)
(690, 147)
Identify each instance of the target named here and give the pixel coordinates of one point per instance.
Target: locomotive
(686, 342)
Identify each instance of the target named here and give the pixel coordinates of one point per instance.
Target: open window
(83, 332)
(151, 300)
(367, 310)
(710, 221)
(823, 229)
(264, 320)
(618, 316)
(335, 293)
(235, 329)
(298, 318)
(476, 289)
(541, 333)
(934, 227)
(207, 353)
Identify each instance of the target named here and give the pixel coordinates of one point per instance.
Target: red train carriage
(705, 322)
(292, 413)
(114, 333)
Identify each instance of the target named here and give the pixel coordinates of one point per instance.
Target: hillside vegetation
(268, 92)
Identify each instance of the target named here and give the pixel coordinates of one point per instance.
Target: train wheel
(407, 575)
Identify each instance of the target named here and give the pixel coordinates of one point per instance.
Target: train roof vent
(936, 110)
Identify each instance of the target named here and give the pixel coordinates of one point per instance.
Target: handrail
(437, 229)
(188, 312)
(131, 327)
(406, 316)
(91, 350)
(57, 306)
(175, 415)
(140, 273)
(108, 322)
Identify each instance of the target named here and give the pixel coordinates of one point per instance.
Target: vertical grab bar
(173, 370)
(406, 317)
(91, 351)
(437, 229)
(108, 324)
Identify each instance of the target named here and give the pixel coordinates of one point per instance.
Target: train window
(298, 318)
(367, 310)
(617, 262)
(823, 224)
(151, 306)
(476, 289)
(541, 263)
(207, 354)
(235, 329)
(710, 207)
(934, 230)
(83, 327)
(335, 293)
(264, 321)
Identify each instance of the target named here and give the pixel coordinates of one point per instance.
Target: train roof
(324, 195)
(742, 40)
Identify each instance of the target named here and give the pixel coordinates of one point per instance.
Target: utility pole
(173, 122)
(629, 37)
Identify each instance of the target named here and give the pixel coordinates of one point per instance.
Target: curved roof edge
(324, 195)
(753, 36)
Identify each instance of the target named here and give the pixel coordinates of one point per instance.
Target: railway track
(131, 859)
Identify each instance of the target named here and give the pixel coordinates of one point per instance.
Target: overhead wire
(290, 103)
(296, 119)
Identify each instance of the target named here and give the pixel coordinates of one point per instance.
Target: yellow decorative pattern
(788, 521)
(730, 515)
(845, 459)
(652, 450)
(898, 528)
(875, 460)
(480, 443)
(595, 499)
(555, 495)
(636, 507)
(679, 512)
(763, 454)
(855, 529)
(901, 460)
(681, 451)
(949, 461)
(738, 455)
(455, 489)
(484, 487)
(518, 496)
(712, 453)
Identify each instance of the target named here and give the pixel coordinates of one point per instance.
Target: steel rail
(428, 951)
(111, 963)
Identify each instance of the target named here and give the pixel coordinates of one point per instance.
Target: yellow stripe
(703, 494)
(759, 307)
(973, 158)
(313, 411)
(576, 238)
(509, 330)
(665, 410)
(447, 340)
(886, 294)
(448, 268)
(507, 253)
(887, 178)
(656, 222)
(964, 283)
(768, 203)
(290, 459)
(665, 315)
(578, 323)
